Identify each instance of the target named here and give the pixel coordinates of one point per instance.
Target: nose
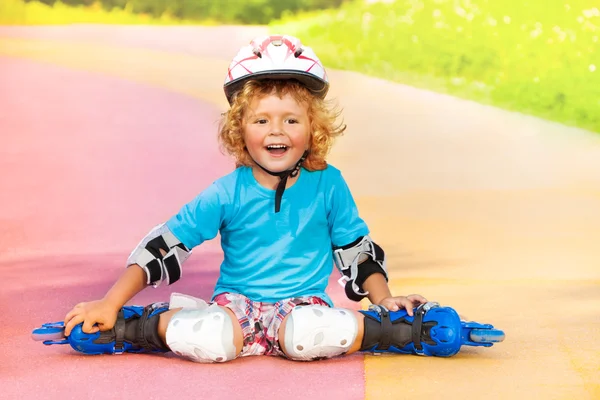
(276, 128)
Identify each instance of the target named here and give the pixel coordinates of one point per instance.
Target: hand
(408, 302)
(97, 315)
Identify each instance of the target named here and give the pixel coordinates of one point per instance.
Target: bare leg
(361, 331)
(238, 337)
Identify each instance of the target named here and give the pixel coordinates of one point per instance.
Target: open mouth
(277, 149)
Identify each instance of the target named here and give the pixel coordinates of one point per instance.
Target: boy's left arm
(379, 293)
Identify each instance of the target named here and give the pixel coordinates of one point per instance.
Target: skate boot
(432, 331)
(136, 331)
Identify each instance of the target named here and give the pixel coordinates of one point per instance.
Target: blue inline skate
(432, 331)
(135, 331)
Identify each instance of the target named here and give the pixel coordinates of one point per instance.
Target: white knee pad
(318, 331)
(202, 335)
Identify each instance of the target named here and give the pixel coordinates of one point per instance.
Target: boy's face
(276, 131)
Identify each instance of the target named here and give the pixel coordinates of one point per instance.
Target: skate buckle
(429, 305)
(378, 308)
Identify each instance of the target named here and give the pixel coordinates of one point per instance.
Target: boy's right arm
(101, 315)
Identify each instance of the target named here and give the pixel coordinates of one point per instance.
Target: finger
(88, 326)
(417, 297)
(76, 310)
(390, 304)
(105, 326)
(398, 303)
(71, 314)
(408, 305)
(73, 322)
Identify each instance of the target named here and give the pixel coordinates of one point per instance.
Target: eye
(260, 121)
(292, 121)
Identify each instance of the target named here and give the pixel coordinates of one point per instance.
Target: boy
(284, 216)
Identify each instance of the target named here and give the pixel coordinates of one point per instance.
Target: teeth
(276, 146)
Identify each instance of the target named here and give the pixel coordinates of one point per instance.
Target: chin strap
(284, 175)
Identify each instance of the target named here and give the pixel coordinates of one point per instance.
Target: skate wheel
(49, 332)
(486, 335)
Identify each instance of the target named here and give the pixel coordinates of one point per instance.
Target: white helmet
(276, 57)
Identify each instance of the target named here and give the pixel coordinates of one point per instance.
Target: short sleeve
(345, 225)
(200, 219)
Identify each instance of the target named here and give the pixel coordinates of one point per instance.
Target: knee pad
(202, 335)
(315, 331)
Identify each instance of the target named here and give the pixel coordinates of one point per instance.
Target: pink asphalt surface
(88, 164)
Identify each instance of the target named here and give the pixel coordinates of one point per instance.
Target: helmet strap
(283, 176)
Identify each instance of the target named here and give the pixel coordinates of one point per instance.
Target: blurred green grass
(537, 57)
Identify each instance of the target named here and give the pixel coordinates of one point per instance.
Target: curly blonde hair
(322, 115)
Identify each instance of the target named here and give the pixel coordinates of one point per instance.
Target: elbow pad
(157, 267)
(356, 262)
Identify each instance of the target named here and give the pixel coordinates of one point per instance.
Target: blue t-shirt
(272, 256)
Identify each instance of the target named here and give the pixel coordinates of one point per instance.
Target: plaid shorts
(260, 321)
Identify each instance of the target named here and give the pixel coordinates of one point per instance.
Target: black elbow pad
(356, 262)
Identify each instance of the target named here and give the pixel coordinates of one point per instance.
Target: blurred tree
(78, 2)
(227, 11)
(110, 4)
(48, 2)
(152, 7)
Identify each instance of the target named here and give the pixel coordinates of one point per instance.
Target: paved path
(494, 213)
